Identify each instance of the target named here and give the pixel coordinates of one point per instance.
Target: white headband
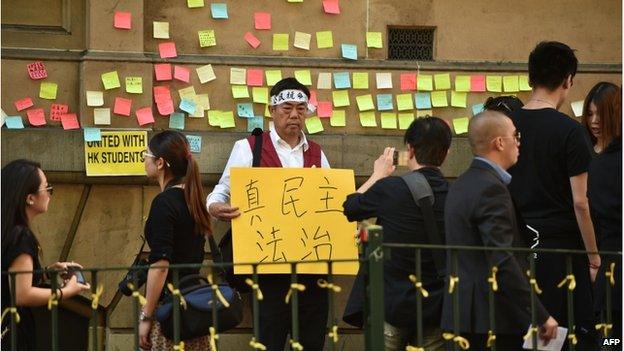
(292, 95)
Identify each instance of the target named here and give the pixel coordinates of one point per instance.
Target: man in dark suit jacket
(479, 212)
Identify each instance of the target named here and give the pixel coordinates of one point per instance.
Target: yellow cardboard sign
(292, 214)
(116, 154)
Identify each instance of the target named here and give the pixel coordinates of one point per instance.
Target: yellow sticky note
(365, 102)
(187, 93)
(373, 40)
(238, 76)
(202, 103)
(423, 113)
(405, 119)
(205, 74)
(523, 83)
(302, 40)
(95, 98)
(240, 91)
(48, 90)
(510, 84)
(438, 99)
(227, 119)
(214, 118)
(494, 83)
(360, 80)
(134, 85)
(405, 102)
(388, 120)
(207, 38)
(458, 99)
(442, 81)
(341, 98)
(273, 76)
(260, 95)
(338, 118)
(324, 39)
(460, 125)
(424, 82)
(367, 119)
(324, 81)
(267, 113)
(462, 83)
(110, 80)
(161, 30)
(314, 125)
(294, 0)
(304, 77)
(195, 3)
(280, 42)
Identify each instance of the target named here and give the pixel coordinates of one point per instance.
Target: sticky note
(255, 77)
(373, 40)
(122, 106)
(245, 110)
(341, 98)
(187, 93)
(458, 99)
(408, 81)
(56, 110)
(110, 80)
(477, 83)
(176, 120)
(47, 90)
(25, 103)
(365, 102)
(462, 83)
(423, 113)
(425, 82)
(314, 125)
(342, 80)
(240, 91)
(144, 116)
(438, 99)
(324, 40)
(122, 20)
(181, 73)
(92, 134)
(163, 71)
(273, 76)
(14, 122)
(255, 122)
(423, 100)
(442, 81)
(70, 121)
(227, 119)
(313, 101)
(207, 38)
(238, 75)
(280, 41)
(195, 143)
(205, 74)
(161, 30)
(523, 83)
(324, 81)
(460, 125)
(302, 40)
(404, 102)
(36, 117)
(294, 1)
(37, 70)
(360, 80)
(494, 83)
(202, 103)
(252, 40)
(331, 6)
(262, 20)
(194, 3)
(102, 116)
(367, 119)
(324, 109)
(214, 118)
(384, 102)
(161, 93)
(165, 107)
(134, 85)
(349, 51)
(95, 98)
(338, 119)
(188, 106)
(167, 50)
(219, 10)
(477, 108)
(260, 95)
(388, 120)
(405, 119)
(304, 77)
(510, 84)
(384, 80)
(577, 108)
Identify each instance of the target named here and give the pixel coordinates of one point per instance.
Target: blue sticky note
(188, 106)
(176, 120)
(255, 122)
(384, 102)
(92, 134)
(477, 109)
(423, 101)
(219, 10)
(349, 51)
(14, 122)
(194, 143)
(342, 80)
(245, 110)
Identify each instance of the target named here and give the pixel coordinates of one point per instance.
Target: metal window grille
(411, 43)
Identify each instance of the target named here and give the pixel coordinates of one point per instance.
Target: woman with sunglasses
(26, 194)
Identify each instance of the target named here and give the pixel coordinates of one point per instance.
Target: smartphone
(395, 158)
(78, 273)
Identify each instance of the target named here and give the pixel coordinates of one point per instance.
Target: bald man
(479, 212)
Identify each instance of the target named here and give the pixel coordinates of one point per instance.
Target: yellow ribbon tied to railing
(572, 338)
(255, 288)
(530, 333)
(605, 328)
(95, 297)
(293, 286)
(460, 341)
(256, 345)
(52, 300)
(327, 285)
(213, 339)
(569, 278)
(179, 347)
(611, 274)
(453, 280)
(492, 279)
(137, 295)
(176, 292)
(418, 285)
(333, 334)
(11, 310)
(491, 338)
(215, 289)
(295, 345)
(414, 348)
(536, 287)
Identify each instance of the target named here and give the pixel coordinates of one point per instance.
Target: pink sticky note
(56, 110)
(37, 70)
(70, 121)
(122, 106)
(255, 77)
(263, 20)
(313, 100)
(331, 6)
(252, 40)
(325, 109)
(167, 50)
(162, 71)
(144, 116)
(123, 20)
(477, 83)
(181, 73)
(165, 107)
(161, 93)
(23, 104)
(408, 81)
(36, 117)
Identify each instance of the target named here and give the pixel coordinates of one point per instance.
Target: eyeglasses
(49, 189)
(516, 136)
(145, 154)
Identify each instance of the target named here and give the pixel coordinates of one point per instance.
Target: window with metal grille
(410, 43)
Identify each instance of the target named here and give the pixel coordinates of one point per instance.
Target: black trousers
(504, 342)
(275, 314)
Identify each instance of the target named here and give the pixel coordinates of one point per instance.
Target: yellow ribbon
(452, 282)
(334, 334)
(570, 278)
(460, 341)
(533, 283)
(605, 328)
(418, 285)
(95, 298)
(176, 292)
(414, 348)
(293, 286)
(52, 300)
(295, 345)
(326, 285)
(492, 279)
(611, 274)
(256, 345)
(12, 310)
(179, 347)
(215, 289)
(530, 333)
(491, 336)
(255, 288)
(213, 339)
(572, 338)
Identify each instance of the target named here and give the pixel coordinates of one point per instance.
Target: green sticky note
(260, 95)
(176, 120)
(367, 119)
(227, 119)
(388, 120)
(462, 83)
(304, 77)
(373, 40)
(424, 82)
(494, 83)
(523, 83)
(48, 90)
(510, 84)
(207, 38)
(110, 80)
(338, 118)
(341, 98)
(214, 118)
(134, 85)
(442, 81)
(314, 125)
(324, 39)
(360, 80)
(438, 99)
(460, 125)
(273, 76)
(405, 119)
(240, 91)
(458, 99)
(405, 102)
(195, 3)
(280, 42)
(365, 102)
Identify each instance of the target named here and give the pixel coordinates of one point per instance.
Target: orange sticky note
(408, 81)
(262, 20)
(23, 104)
(477, 83)
(255, 77)
(162, 71)
(325, 109)
(70, 121)
(181, 73)
(122, 106)
(123, 20)
(331, 6)
(252, 40)
(36, 117)
(144, 116)
(167, 50)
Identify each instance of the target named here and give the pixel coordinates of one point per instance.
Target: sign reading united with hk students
(117, 153)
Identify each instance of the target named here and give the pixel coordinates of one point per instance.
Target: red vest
(269, 158)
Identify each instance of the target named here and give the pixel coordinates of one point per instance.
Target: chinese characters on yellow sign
(116, 154)
(292, 214)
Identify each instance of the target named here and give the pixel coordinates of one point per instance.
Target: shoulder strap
(423, 197)
(257, 150)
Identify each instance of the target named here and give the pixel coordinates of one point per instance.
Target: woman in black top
(26, 194)
(600, 115)
(175, 229)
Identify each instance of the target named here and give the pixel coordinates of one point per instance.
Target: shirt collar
(503, 174)
(275, 138)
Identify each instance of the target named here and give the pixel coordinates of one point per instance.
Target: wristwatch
(143, 317)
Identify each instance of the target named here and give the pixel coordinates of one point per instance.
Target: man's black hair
(550, 64)
(430, 137)
(505, 104)
(289, 83)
